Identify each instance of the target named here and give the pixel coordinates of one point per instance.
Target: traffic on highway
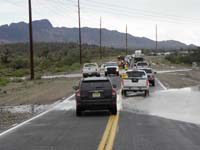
(117, 107)
(99, 75)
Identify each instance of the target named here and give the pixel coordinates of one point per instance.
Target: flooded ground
(178, 104)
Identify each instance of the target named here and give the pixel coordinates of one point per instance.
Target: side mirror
(114, 86)
(155, 72)
(75, 87)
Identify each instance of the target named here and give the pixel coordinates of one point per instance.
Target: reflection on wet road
(179, 104)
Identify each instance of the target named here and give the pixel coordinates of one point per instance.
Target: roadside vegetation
(49, 57)
(178, 58)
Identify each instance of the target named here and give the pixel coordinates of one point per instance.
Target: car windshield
(111, 64)
(91, 85)
(135, 74)
(90, 65)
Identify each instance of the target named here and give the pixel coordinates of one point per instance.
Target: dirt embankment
(37, 92)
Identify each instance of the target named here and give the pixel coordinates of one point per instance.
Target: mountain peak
(42, 24)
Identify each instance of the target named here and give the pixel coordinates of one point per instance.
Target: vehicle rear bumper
(135, 89)
(95, 104)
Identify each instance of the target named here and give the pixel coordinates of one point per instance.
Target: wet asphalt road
(60, 129)
(144, 132)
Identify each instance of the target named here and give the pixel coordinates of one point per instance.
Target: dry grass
(37, 92)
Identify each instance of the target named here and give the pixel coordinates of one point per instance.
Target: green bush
(75, 66)
(4, 81)
(19, 73)
(19, 63)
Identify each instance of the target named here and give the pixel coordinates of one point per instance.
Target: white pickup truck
(91, 69)
(135, 81)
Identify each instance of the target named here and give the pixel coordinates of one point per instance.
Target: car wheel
(146, 93)
(153, 83)
(106, 74)
(114, 110)
(78, 111)
(118, 74)
(122, 92)
(125, 93)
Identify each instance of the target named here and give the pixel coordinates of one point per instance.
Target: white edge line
(25, 122)
(162, 85)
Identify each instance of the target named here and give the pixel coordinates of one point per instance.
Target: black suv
(96, 93)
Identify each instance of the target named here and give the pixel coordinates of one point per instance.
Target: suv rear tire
(146, 93)
(153, 83)
(114, 110)
(78, 111)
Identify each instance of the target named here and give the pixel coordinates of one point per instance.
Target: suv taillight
(122, 82)
(147, 82)
(78, 93)
(113, 92)
(153, 76)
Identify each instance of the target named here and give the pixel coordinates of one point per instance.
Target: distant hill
(43, 31)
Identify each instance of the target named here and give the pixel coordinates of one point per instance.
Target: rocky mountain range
(44, 31)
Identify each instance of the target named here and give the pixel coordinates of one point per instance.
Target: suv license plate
(96, 94)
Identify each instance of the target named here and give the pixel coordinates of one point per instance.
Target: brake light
(78, 93)
(147, 82)
(113, 92)
(153, 76)
(122, 82)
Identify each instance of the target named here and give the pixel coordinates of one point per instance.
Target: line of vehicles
(96, 90)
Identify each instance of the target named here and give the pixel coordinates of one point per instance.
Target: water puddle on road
(178, 104)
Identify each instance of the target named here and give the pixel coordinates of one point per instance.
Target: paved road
(144, 132)
(60, 129)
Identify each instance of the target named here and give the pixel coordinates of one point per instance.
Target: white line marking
(162, 85)
(171, 71)
(25, 122)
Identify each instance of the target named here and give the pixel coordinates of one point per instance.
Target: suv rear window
(90, 65)
(135, 74)
(147, 70)
(142, 64)
(91, 85)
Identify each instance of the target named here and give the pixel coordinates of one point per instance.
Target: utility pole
(156, 37)
(79, 23)
(100, 40)
(126, 40)
(31, 41)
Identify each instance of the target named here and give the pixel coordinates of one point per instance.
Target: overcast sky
(176, 19)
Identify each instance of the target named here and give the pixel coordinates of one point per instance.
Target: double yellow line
(108, 138)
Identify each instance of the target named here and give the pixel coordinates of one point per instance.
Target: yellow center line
(108, 138)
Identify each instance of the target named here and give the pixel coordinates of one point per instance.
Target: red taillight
(152, 76)
(78, 93)
(122, 82)
(147, 82)
(113, 91)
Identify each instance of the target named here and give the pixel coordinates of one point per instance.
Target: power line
(126, 12)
